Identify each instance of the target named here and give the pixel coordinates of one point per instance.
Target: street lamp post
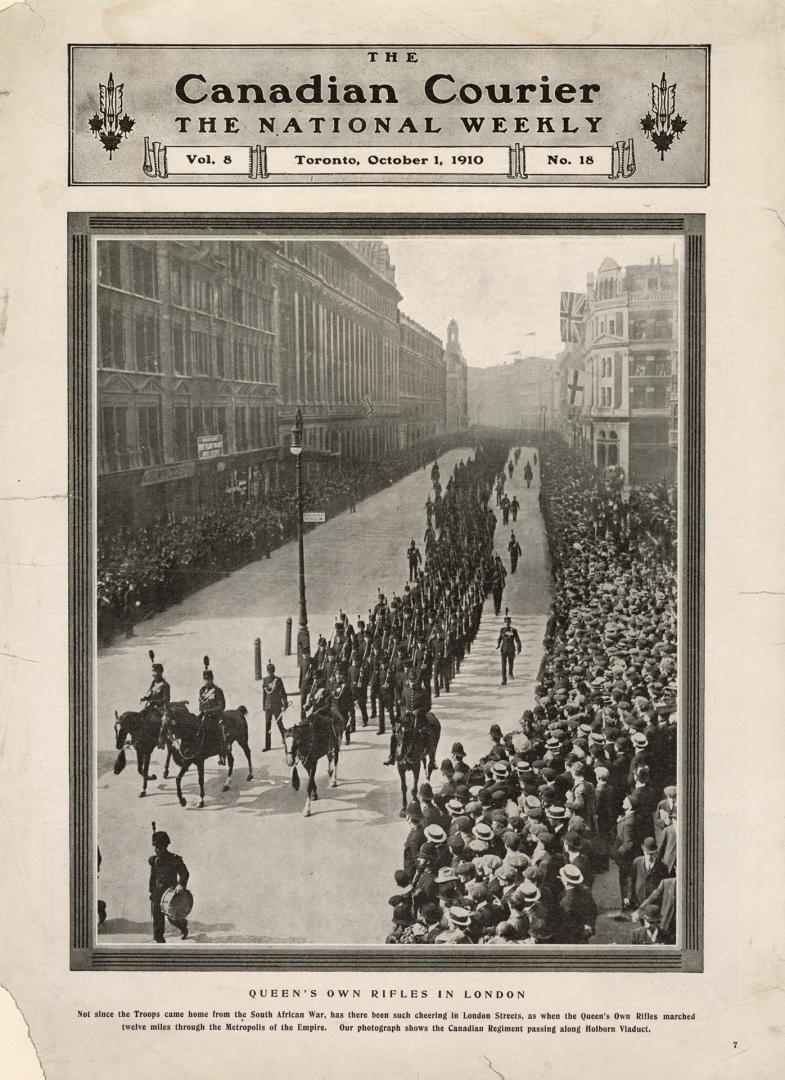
(303, 637)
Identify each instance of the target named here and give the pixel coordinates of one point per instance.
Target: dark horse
(315, 737)
(142, 729)
(190, 742)
(415, 749)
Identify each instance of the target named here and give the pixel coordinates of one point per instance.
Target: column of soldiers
(508, 850)
(416, 641)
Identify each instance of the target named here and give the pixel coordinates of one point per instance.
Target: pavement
(260, 871)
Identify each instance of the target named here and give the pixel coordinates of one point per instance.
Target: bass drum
(177, 905)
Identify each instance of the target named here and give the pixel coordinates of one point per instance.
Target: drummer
(167, 871)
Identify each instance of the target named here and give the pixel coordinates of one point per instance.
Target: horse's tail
(295, 779)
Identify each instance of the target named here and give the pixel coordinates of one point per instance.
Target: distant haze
(501, 289)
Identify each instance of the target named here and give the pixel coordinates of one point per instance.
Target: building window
(200, 353)
(202, 295)
(146, 342)
(114, 438)
(256, 427)
(109, 265)
(219, 357)
(220, 425)
(149, 434)
(111, 334)
(180, 432)
(144, 277)
(241, 427)
(178, 278)
(179, 353)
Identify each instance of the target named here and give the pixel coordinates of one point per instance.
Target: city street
(260, 871)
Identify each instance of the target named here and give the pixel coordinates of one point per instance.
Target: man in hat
(650, 932)
(167, 871)
(274, 701)
(664, 899)
(211, 708)
(647, 871)
(577, 907)
(159, 694)
(509, 642)
(514, 507)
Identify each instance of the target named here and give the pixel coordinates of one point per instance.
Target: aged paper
(61, 1003)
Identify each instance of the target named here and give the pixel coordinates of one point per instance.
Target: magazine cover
(391, 558)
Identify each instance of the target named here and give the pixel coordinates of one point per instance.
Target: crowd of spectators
(508, 850)
(145, 571)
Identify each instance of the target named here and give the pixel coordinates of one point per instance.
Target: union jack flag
(571, 311)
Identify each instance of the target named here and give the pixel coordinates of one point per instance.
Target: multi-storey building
(522, 394)
(338, 348)
(422, 383)
(186, 375)
(457, 408)
(630, 360)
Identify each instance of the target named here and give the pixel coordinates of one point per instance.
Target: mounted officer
(414, 705)
(159, 693)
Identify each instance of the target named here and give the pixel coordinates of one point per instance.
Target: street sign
(314, 517)
(210, 446)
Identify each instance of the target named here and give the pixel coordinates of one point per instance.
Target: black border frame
(84, 953)
(405, 181)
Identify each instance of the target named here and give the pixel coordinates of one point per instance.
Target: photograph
(385, 539)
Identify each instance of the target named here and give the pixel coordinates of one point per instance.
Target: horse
(142, 729)
(415, 748)
(191, 741)
(315, 737)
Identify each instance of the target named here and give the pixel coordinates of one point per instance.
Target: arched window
(612, 455)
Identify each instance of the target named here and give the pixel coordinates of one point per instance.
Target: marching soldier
(415, 559)
(509, 643)
(497, 588)
(515, 507)
(211, 707)
(358, 685)
(160, 692)
(167, 871)
(515, 551)
(274, 701)
(505, 507)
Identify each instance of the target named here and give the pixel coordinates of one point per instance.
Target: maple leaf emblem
(126, 124)
(678, 124)
(111, 141)
(96, 123)
(647, 123)
(662, 141)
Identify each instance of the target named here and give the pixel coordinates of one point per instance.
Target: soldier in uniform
(441, 668)
(274, 701)
(510, 645)
(414, 705)
(358, 685)
(514, 549)
(159, 693)
(211, 707)
(415, 559)
(505, 506)
(497, 588)
(167, 871)
(515, 507)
